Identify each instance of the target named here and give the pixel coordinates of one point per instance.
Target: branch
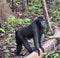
(43, 2)
(56, 33)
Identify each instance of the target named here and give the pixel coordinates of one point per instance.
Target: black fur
(35, 31)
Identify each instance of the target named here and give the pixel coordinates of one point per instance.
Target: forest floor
(7, 47)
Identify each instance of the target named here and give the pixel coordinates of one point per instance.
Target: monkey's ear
(40, 17)
(35, 55)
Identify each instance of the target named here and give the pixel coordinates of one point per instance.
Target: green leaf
(8, 26)
(49, 33)
(1, 29)
(8, 54)
(58, 16)
(56, 55)
(32, 7)
(52, 23)
(40, 10)
(9, 20)
(20, 21)
(13, 18)
(43, 36)
(27, 53)
(44, 53)
(12, 29)
(37, 1)
(27, 20)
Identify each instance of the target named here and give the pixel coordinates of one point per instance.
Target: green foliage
(8, 1)
(55, 11)
(20, 21)
(19, 1)
(8, 54)
(51, 54)
(27, 20)
(56, 0)
(32, 7)
(43, 36)
(9, 39)
(56, 55)
(11, 20)
(58, 16)
(52, 23)
(2, 29)
(36, 7)
(49, 33)
(27, 53)
(40, 10)
(11, 28)
(37, 1)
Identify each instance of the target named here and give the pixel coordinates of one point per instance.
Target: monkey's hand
(38, 51)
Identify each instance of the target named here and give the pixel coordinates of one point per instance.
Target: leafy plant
(56, 0)
(8, 54)
(58, 16)
(10, 27)
(37, 1)
(40, 10)
(11, 20)
(27, 53)
(27, 20)
(9, 39)
(55, 11)
(2, 29)
(18, 1)
(49, 52)
(49, 33)
(43, 36)
(32, 7)
(19, 21)
(56, 55)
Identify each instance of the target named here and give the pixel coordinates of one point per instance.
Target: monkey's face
(43, 23)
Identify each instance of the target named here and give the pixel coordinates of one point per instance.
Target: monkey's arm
(35, 32)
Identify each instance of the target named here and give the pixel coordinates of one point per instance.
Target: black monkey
(35, 31)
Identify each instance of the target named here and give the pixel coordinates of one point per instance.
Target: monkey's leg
(26, 44)
(41, 45)
(40, 34)
(18, 48)
(19, 44)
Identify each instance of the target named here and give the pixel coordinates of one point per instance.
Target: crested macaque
(35, 31)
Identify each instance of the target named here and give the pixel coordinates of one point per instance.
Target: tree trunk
(5, 11)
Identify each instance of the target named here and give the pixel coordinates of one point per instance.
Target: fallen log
(35, 55)
(48, 45)
(56, 33)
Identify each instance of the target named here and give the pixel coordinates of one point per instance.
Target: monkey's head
(41, 22)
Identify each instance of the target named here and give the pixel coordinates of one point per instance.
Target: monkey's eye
(43, 23)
